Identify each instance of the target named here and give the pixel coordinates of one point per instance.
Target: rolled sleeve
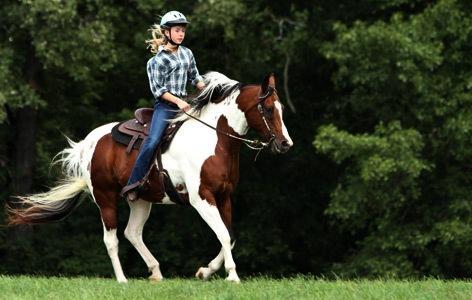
(193, 75)
(157, 71)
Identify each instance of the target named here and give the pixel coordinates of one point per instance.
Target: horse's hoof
(203, 273)
(122, 280)
(233, 277)
(155, 279)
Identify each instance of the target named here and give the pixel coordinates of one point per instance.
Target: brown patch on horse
(105, 184)
(246, 97)
(247, 102)
(220, 172)
(225, 209)
(110, 169)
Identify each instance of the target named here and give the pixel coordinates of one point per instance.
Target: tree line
(378, 103)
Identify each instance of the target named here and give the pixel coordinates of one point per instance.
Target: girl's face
(177, 33)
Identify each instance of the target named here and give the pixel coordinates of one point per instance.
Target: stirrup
(130, 188)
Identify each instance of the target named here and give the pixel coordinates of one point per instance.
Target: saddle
(132, 133)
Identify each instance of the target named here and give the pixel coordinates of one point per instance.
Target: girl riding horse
(209, 173)
(168, 72)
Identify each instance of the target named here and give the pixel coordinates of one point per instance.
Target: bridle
(260, 108)
(251, 144)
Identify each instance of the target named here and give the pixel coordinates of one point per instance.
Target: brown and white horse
(202, 162)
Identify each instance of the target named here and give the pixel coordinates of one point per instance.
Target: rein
(251, 144)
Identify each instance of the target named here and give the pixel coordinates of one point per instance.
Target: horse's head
(263, 112)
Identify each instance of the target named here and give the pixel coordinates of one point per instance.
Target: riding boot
(130, 192)
(132, 196)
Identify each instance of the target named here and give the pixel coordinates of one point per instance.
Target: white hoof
(154, 278)
(233, 277)
(122, 280)
(204, 273)
(156, 274)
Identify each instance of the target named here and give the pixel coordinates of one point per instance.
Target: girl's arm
(156, 70)
(193, 74)
(176, 100)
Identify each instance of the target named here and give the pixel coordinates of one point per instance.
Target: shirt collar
(163, 48)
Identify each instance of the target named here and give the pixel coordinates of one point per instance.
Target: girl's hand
(183, 105)
(200, 85)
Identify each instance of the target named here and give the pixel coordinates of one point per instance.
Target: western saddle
(132, 134)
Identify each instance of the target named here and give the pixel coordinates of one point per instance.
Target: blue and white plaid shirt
(169, 72)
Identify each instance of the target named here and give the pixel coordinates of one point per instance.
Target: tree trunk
(24, 122)
(25, 141)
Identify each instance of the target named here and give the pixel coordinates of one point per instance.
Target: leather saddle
(132, 134)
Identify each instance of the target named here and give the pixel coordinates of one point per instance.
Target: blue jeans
(162, 113)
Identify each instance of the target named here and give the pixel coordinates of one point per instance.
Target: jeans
(162, 113)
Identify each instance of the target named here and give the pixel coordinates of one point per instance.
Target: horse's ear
(269, 80)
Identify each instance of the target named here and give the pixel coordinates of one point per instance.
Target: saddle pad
(124, 138)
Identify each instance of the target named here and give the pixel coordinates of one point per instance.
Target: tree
(404, 202)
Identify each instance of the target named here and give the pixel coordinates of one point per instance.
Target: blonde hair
(158, 38)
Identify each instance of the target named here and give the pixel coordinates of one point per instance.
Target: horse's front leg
(205, 272)
(224, 208)
(205, 203)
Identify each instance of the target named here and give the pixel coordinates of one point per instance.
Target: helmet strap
(170, 40)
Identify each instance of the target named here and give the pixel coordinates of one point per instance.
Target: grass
(51, 288)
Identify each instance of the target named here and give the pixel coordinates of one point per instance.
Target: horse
(203, 163)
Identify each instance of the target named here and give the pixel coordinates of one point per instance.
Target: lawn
(50, 288)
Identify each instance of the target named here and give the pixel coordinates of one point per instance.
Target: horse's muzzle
(280, 146)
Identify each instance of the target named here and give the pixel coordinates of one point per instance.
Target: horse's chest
(190, 148)
(196, 157)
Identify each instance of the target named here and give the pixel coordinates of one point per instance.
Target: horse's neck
(229, 109)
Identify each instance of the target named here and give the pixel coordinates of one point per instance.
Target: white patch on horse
(284, 129)
(236, 118)
(180, 160)
(79, 155)
(111, 242)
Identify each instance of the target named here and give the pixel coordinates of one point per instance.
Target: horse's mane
(217, 88)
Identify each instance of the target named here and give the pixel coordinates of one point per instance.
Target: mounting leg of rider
(162, 113)
(130, 192)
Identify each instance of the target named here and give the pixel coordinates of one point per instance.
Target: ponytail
(158, 38)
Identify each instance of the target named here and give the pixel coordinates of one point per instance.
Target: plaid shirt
(169, 72)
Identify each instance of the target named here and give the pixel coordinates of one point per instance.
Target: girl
(168, 72)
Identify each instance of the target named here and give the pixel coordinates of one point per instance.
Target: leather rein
(251, 144)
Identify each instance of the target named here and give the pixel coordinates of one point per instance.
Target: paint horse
(202, 162)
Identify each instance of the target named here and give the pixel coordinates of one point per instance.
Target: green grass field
(253, 288)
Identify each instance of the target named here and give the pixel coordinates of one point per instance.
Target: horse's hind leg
(106, 202)
(139, 213)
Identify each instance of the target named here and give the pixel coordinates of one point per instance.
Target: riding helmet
(173, 18)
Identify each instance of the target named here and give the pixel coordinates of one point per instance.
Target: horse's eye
(269, 111)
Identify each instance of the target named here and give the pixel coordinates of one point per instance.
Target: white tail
(62, 199)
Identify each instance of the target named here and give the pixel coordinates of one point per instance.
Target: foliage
(384, 85)
(401, 188)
